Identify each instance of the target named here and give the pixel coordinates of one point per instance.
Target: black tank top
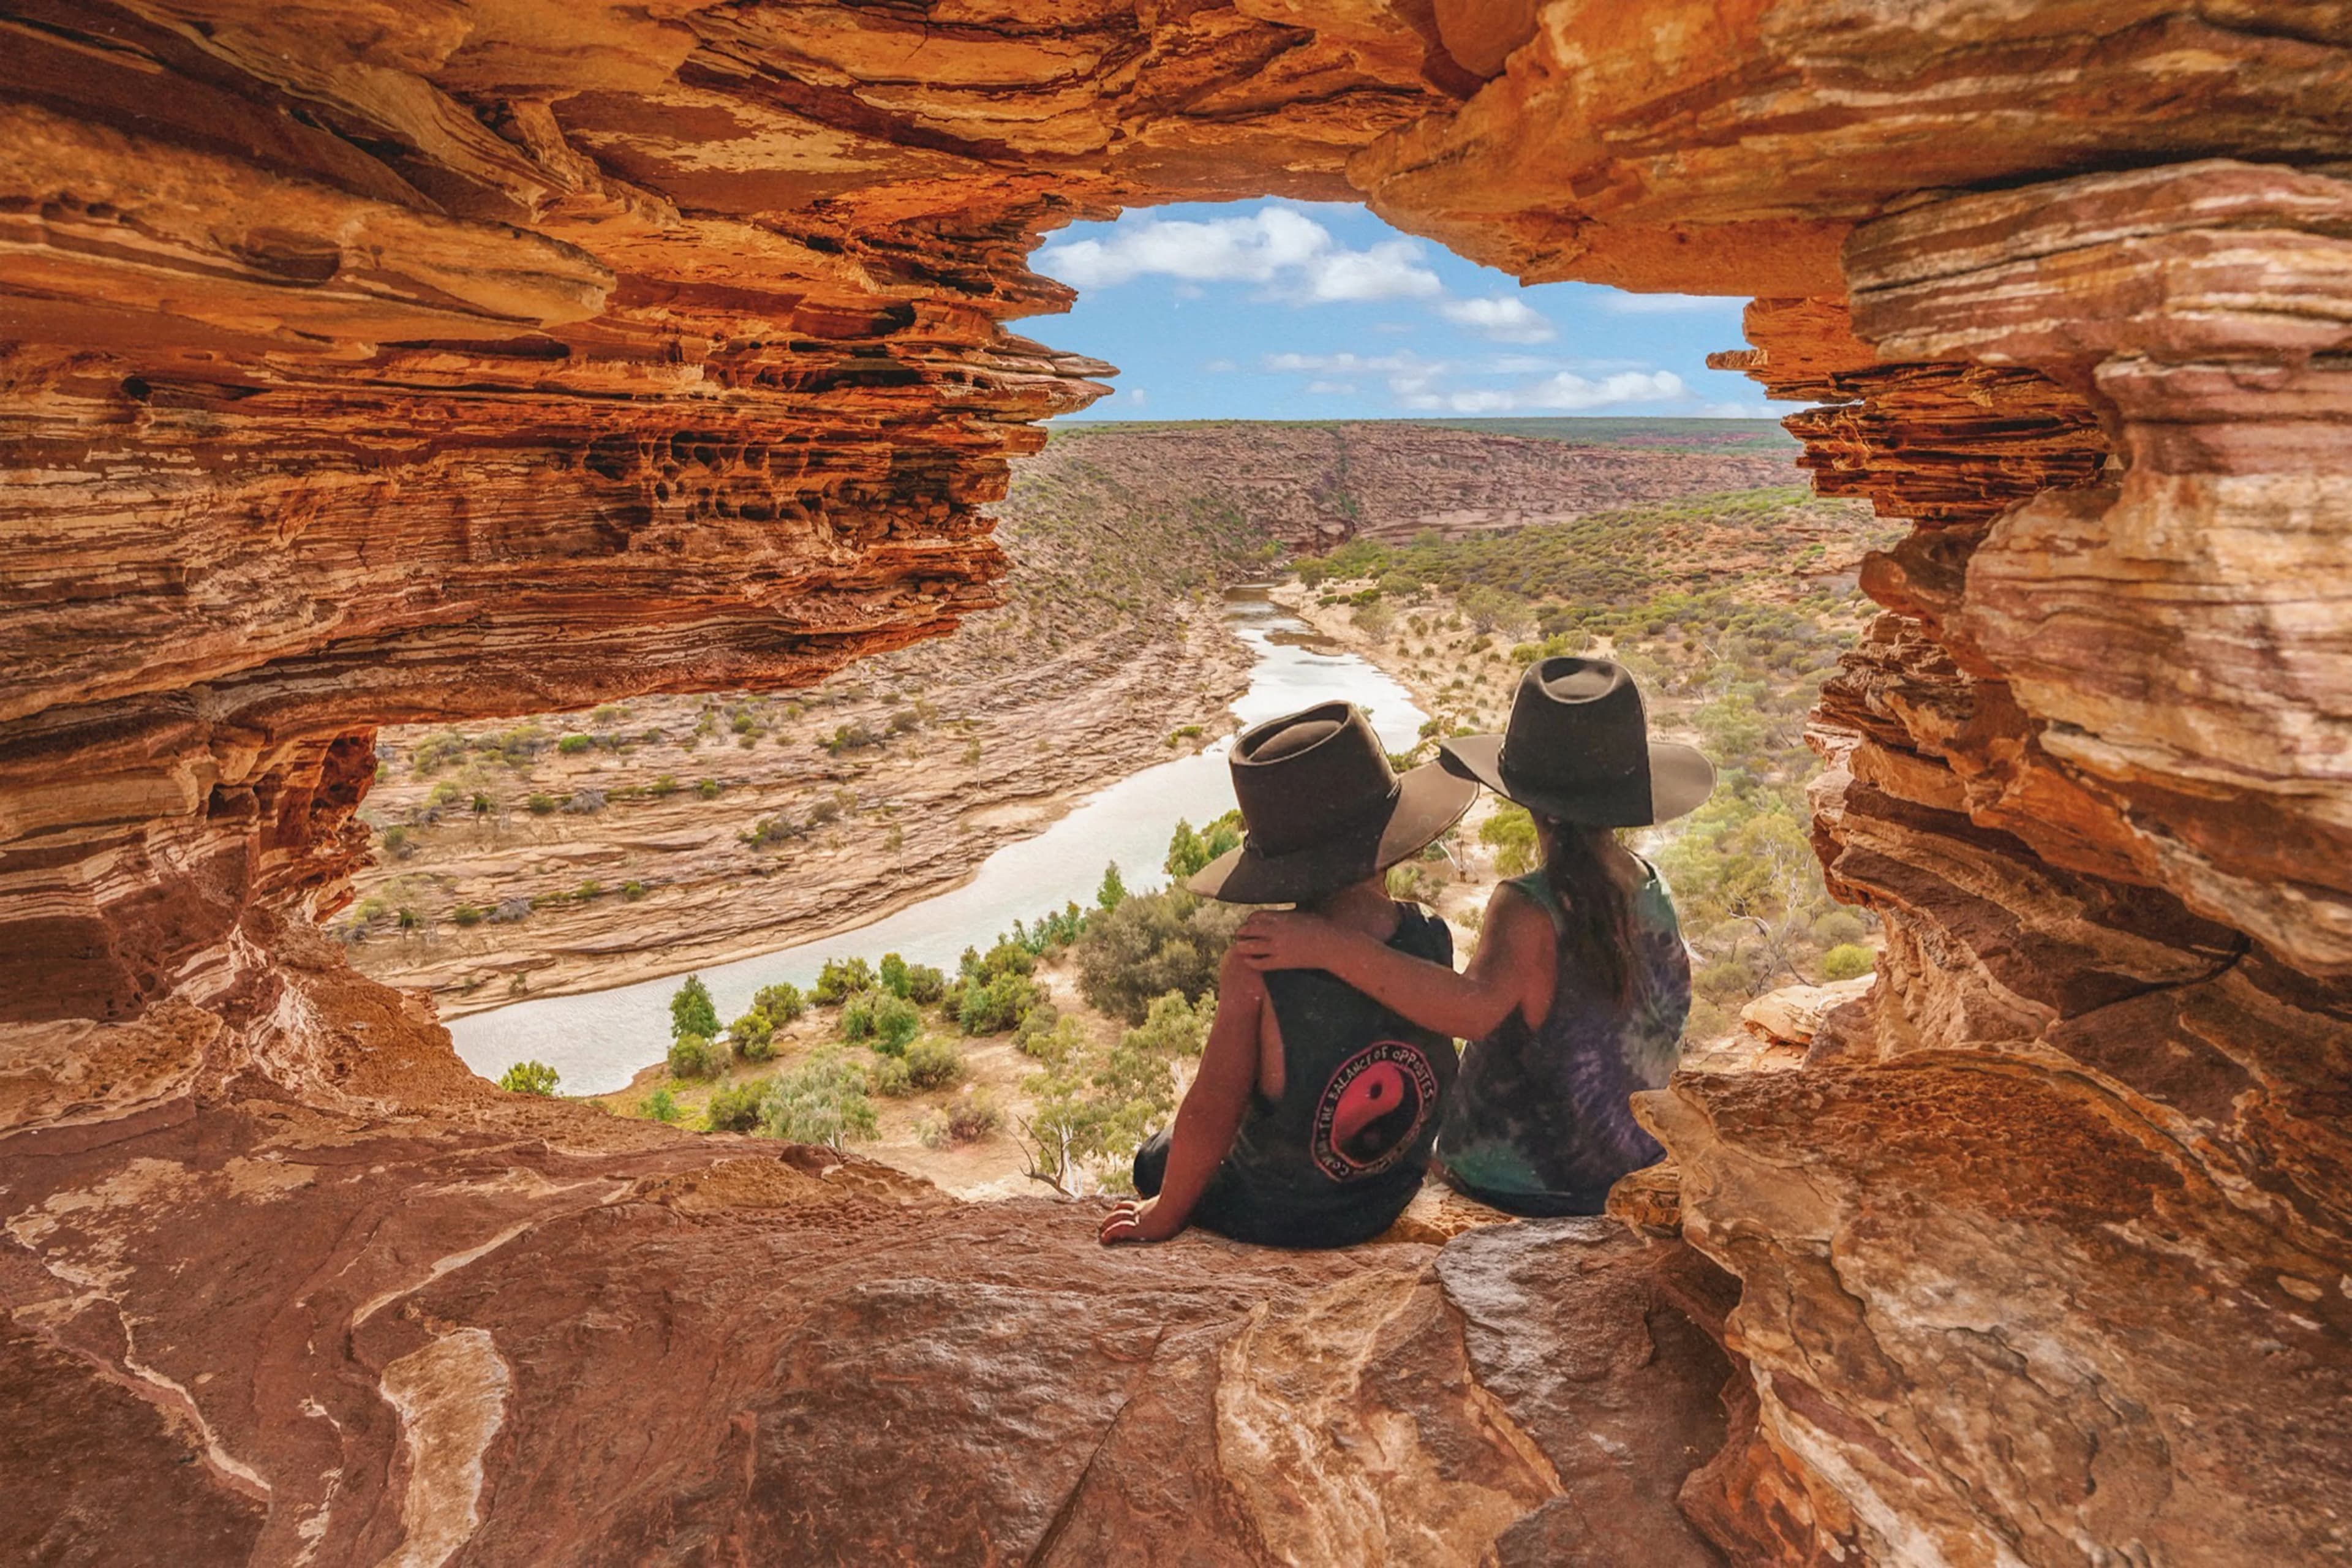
(1338, 1157)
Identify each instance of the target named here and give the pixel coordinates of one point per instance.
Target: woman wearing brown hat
(1577, 993)
(1311, 1119)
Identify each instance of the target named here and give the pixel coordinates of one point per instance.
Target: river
(598, 1040)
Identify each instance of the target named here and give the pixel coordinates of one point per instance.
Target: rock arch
(447, 361)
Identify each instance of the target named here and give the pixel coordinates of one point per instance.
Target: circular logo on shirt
(1372, 1110)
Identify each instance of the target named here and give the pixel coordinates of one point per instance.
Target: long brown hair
(1599, 930)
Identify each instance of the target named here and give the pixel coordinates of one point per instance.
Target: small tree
(1511, 833)
(753, 1035)
(782, 1004)
(1152, 944)
(822, 1101)
(840, 979)
(691, 1011)
(1113, 891)
(693, 1056)
(528, 1078)
(883, 1021)
(736, 1109)
(893, 973)
(1189, 851)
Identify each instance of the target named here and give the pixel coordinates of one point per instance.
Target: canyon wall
(445, 362)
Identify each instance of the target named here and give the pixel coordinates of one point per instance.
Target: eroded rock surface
(570, 1340)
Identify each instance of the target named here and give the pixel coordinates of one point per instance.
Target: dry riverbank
(688, 831)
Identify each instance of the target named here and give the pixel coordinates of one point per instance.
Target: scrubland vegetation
(1064, 1092)
(1730, 611)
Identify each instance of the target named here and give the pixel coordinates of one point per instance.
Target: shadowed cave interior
(443, 363)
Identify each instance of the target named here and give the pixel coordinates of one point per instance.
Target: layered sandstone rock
(443, 362)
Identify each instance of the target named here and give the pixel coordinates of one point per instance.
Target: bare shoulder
(1516, 924)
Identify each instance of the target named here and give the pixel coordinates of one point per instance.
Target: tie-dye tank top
(1539, 1121)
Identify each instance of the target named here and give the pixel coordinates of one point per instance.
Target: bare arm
(1211, 1114)
(1512, 968)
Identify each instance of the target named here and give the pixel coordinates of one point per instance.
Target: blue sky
(1275, 310)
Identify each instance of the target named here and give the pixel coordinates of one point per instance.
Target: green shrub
(840, 979)
(973, 1115)
(925, 985)
(933, 1062)
(1189, 851)
(1847, 961)
(1007, 957)
(395, 843)
(467, 915)
(1176, 1026)
(1838, 928)
(1036, 1025)
(892, 974)
(1511, 833)
(736, 1108)
(693, 1056)
(992, 1006)
(690, 1010)
(1152, 944)
(573, 745)
(1411, 884)
(752, 1036)
(782, 1004)
(661, 1105)
(433, 753)
(707, 789)
(540, 805)
(1113, 890)
(663, 786)
(528, 1078)
(1730, 980)
(885, 1022)
(822, 1100)
(633, 891)
(967, 1119)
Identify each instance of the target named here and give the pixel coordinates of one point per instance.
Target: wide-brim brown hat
(1579, 749)
(1324, 809)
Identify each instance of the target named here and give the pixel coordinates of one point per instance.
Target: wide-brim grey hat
(1324, 809)
(1579, 749)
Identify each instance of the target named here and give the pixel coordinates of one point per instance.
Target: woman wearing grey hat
(1310, 1121)
(1577, 996)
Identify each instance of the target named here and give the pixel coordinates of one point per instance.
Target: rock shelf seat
(449, 361)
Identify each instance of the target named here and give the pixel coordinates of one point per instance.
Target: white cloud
(1218, 367)
(1389, 270)
(1568, 390)
(1564, 392)
(1342, 363)
(1743, 411)
(1331, 387)
(1134, 395)
(1618, 303)
(1287, 251)
(1500, 318)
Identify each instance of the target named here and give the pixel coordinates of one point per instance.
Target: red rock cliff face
(441, 361)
